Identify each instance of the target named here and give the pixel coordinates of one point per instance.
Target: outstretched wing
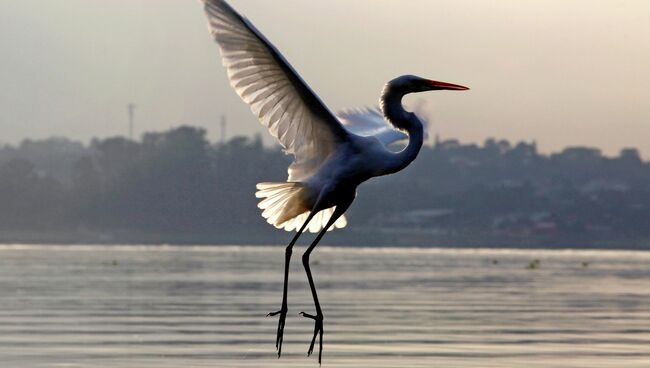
(369, 122)
(279, 97)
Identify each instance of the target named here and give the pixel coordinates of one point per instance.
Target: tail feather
(286, 206)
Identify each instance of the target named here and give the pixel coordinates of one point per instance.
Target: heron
(332, 154)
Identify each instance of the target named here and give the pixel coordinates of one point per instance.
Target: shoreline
(352, 238)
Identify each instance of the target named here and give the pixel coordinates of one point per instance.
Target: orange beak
(442, 85)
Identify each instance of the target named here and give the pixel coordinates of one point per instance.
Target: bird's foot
(280, 335)
(318, 331)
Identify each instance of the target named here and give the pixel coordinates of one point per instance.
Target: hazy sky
(561, 72)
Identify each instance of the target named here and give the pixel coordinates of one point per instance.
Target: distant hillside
(176, 187)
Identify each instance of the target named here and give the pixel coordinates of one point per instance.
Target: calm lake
(164, 306)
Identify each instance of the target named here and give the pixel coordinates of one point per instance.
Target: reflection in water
(131, 306)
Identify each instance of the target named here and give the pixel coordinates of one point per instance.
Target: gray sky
(561, 72)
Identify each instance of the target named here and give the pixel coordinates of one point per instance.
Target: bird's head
(391, 98)
(412, 83)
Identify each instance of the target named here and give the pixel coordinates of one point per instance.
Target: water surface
(137, 306)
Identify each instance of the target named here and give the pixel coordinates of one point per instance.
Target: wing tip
(220, 6)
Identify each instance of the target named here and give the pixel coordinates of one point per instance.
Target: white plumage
(284, 103)
(283, 207)
(369, 122)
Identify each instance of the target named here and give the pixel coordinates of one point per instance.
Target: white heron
(332, 155)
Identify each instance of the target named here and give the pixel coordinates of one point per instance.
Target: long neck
(391, 105)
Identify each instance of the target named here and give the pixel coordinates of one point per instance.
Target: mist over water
(136, 306)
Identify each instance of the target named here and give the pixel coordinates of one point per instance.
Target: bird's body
(336, 182)
(355, 161)
(333, 154)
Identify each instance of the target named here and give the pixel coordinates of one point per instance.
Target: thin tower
(223, 129)
(131, 109)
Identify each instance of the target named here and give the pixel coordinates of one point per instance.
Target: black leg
(283, 310)
(318, 318)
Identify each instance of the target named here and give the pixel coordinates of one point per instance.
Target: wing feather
(371, 122)
(277, 95)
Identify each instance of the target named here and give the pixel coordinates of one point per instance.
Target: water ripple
(204, 306)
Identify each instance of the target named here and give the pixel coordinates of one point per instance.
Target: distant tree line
(176, 184)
